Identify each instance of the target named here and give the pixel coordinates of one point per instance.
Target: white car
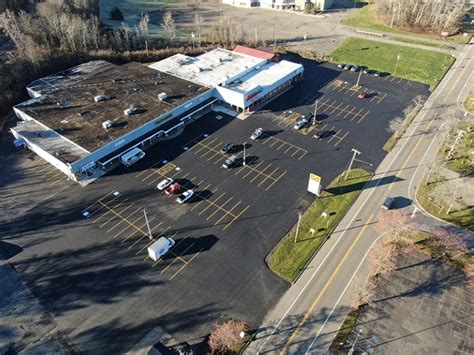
(164, 184)
(300, 123)
(185, 196)
(258, 132)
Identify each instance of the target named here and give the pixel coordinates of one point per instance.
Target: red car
(362, 95)
(173, 189)
(318, 134)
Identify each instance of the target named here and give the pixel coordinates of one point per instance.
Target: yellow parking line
(203, 199)
(111, 218)
(128, 226)
(349, 112)
(227, 213)
(276, 180)
(177, 257)
(341, 139)
(356, 114)
(267, 176)
(222, 205)
(139, 230)
(145, 235)
(117, 224)
(334, 135)
(250, 169)
(360, 120)
(262, 172)
(153, 240)
(185, 265)
(235, 218)
(105, 196)
(211, 203)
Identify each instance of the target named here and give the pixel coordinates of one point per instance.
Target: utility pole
(356, 152)
(456, 141)
(245, 144)
(396, 66)
(298, 225)
(315, 112)
(148, 225)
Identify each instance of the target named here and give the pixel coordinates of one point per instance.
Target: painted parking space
(351, 90)
(285, 147)
(126, 222)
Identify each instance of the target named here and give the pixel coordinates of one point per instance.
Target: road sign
(314, 184)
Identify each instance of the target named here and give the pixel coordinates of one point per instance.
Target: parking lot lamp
(396, 65)
(315, 112)
(245, 144)
(356, 152)
(351, 351)
(358, 79)
(148, 225)
(298, 225)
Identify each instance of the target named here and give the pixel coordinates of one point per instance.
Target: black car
(228, 148)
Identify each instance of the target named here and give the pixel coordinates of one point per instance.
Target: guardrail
(370, 33)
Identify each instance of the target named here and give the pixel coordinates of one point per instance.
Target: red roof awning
(254, 52)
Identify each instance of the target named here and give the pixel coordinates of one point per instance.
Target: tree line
(424, 15)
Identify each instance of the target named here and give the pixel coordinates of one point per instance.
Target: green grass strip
(288, 258)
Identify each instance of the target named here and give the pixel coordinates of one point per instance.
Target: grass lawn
(414, 64)
(365, 18)
(462, 159)
(288, 258)
(469, 103)
(345, 330)
(463, 217)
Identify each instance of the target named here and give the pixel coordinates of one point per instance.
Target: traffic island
(291, 255)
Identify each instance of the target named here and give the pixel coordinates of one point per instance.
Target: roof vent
(107, 124)
(162, 96)
(100, 98)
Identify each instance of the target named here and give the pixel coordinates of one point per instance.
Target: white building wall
(230, 96)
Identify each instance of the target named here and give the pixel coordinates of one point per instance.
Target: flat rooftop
(209, 69)
(73, 113)
(72, 76)
(265, 75)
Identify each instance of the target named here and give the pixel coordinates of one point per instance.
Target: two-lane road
(308, 316)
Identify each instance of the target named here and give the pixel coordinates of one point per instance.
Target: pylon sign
(314, 184)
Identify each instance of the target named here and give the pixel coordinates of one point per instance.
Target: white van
(132, 156)
(160, 248)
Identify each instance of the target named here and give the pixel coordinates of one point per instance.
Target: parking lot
(85, 249)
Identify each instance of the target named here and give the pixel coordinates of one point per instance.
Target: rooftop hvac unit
(107, 124)
(100, 98)
(162, 96)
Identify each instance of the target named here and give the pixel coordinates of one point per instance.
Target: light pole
(315, 112)
(358, 79)
(148, 225)
(245, 144)
(351, 351)
(356, 152)
(396, 65)
(298, 225)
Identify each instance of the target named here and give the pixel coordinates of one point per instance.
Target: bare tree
(396, 125)
(225, 337)
(448, 242)
(143, 27)
(169, 25)
(395, 224)
(382, 259)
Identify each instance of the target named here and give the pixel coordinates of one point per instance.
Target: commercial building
(299, 5)
(85, 120)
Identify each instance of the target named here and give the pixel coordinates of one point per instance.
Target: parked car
(185, 196)
(347, 67)
(255, 135)
(318, 134)
(355, 68)
(388, 203)
(366, 71)
(228, 148)
(309, 116)
(300, 123)
(164, 184)
(230, 162)
(378, 73)
(362, 95)
(340, 66)
(173, 189)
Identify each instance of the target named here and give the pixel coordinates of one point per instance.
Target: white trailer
(160, 248)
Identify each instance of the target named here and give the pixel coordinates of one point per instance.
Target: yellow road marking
(225, 203)
(360, 120)
(124, 218)
(185, 265)
(111, 218)
(413, 151)
(127, 227)
(334, 135)
(84, 210)
(235, 218)
(341, 139)
(326, 286)
(228, 213)
(210, 203)
(142, 226)
(143, 236)
(268, 188)
(117, 224)
(268, 176)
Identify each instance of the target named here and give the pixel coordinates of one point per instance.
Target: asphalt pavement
(307, 317)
